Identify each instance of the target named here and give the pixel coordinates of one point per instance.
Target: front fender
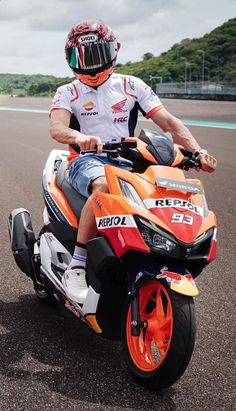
(180, 283)
(173, 274)
(185, 286)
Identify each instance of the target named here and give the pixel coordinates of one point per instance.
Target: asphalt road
(51, 361)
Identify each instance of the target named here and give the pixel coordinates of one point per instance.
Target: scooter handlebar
(189, 161)
(114, 148)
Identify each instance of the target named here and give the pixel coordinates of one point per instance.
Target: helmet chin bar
(95, 80)
(95, 71)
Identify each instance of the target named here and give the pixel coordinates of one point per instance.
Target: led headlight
(163, 243)
(155, 239)
(160, 241)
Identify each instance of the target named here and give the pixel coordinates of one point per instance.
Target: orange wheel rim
(149, 349)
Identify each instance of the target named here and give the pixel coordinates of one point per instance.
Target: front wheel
(160, 354)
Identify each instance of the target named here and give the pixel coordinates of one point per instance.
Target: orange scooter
(155, 236)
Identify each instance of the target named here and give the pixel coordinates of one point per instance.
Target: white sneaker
(75, 285)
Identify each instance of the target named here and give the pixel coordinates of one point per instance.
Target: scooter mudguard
(180, 283)
(175, 275)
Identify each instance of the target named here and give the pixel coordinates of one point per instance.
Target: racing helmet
(91, 49)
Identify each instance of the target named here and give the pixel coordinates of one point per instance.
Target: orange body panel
(109, 204)
(179, 155)
(61, 201)
(159, 205)
(115, 203)
(210, 221)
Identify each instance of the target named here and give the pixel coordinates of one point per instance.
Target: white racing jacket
(111, 111)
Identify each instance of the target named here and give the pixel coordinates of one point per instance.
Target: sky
(33, 32)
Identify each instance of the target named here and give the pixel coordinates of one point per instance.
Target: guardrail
(196, 90)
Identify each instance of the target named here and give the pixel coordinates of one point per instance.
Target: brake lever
(126, 145)
(188, 163)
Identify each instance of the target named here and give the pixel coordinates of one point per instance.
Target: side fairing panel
(53, 252)
(122, 233)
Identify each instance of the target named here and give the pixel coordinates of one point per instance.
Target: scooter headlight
(155, 238)
(160, 241)
(163, 243)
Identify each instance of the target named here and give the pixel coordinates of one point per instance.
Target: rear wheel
(160, 354)
(46, 297)
(45, 290)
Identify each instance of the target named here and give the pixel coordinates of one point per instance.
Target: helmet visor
(91, 56)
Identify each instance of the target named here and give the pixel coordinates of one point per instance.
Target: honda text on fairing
(155, 235)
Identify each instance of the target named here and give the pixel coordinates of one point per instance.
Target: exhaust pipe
(22, 239)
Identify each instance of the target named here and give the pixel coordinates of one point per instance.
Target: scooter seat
(75, 199)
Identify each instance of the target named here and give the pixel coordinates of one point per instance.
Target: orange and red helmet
(91, 49)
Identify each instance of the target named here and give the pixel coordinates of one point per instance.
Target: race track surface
(48, 359)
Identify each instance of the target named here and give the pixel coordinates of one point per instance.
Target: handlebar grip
(189, 162)
(75, 148)
(194, 162)
(105, 149)
(128, 144)
(114, 147)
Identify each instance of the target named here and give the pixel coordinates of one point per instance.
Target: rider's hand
(87, 143)
(208, 162)
(131, 139)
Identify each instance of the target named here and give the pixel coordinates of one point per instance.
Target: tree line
(212, 56)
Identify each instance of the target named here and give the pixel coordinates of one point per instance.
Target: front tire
(161, 353)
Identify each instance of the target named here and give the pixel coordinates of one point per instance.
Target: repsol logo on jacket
(90, 113)
(113, 221)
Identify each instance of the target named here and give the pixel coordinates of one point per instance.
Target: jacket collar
(87, 89)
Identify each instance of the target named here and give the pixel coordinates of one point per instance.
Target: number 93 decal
(182, 218)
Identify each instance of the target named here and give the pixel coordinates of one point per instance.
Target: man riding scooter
(106, 107)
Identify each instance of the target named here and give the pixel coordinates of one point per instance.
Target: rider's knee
(100, 184)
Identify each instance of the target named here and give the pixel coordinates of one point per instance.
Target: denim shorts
(87, 167)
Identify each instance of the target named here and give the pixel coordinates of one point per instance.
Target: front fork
(136, 322)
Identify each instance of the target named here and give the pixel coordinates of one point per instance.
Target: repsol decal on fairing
(121, 220)
(173, 203)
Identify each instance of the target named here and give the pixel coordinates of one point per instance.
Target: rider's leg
(87, 175)
(74, 279)
(87, 226)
